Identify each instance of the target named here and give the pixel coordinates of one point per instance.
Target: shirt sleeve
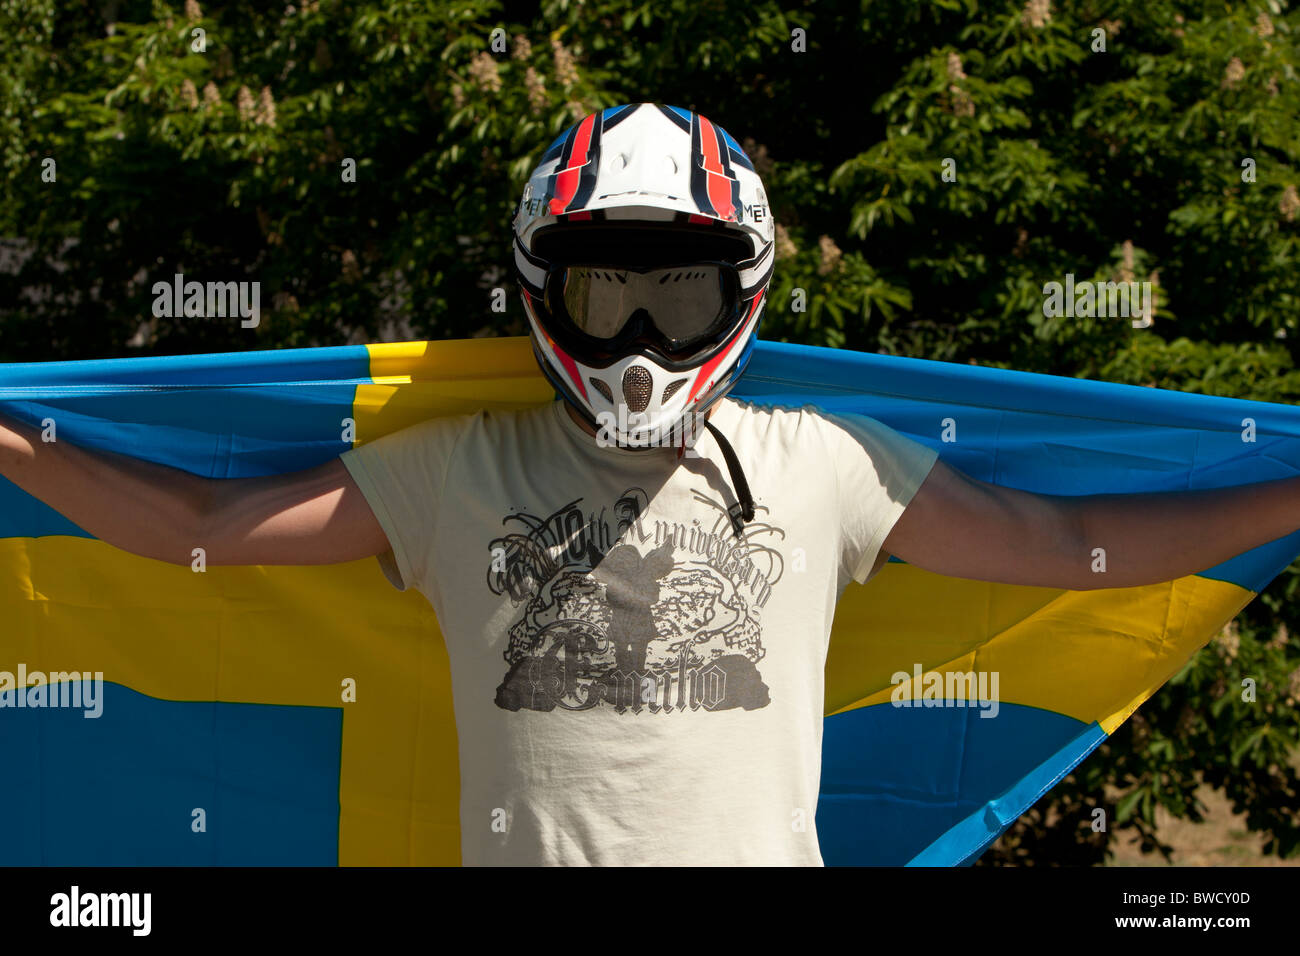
(402, 476)
(877, 471)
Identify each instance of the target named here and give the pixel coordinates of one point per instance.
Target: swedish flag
(287, 715)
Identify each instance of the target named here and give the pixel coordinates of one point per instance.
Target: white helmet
(643, 247)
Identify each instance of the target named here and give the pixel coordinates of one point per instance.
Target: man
(637, 660)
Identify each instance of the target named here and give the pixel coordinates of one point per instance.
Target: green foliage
(1108, 165)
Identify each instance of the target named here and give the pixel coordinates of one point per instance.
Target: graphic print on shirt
(646, 616)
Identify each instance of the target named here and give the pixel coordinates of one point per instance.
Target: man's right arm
(315, 516)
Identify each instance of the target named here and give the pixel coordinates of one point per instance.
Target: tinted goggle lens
(685, 304)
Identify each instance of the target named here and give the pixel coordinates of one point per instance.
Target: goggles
(678, 309)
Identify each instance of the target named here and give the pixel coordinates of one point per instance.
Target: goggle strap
(742, 509)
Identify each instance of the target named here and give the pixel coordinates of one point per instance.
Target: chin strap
(743, 509)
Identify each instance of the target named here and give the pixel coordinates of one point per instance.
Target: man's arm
(315, 516)
(963, 527)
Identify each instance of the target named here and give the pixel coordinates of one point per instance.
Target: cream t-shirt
(632, 684)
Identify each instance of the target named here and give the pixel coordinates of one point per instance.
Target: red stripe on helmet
(566, 181)
(570, 366)
(708, 367)
(718, 182)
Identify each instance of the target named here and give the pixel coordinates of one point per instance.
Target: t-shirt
(632, 683)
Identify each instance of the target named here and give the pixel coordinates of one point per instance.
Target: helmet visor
(678, 308)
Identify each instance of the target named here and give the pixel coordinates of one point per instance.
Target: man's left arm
(962, 527)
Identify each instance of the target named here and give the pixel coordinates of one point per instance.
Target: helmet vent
(637, 386)
(671, 389)
(601, 387)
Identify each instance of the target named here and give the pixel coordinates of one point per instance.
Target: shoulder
(773, 418)
(797, 423)
(481, 424)
(837, 439)
(429, 446)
